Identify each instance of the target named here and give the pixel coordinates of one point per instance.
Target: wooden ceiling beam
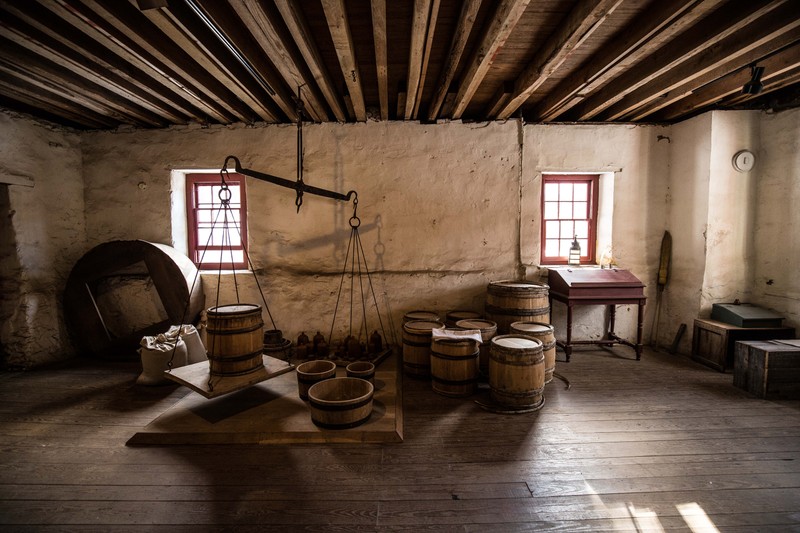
(336, 15)
(422, 30)
(775, 67)
(426, 56)
(304, 40)
(663, 19)
(267, 35)
(92, 50)
(582, 21)
(725, 54)
(466, 20)
(378, 8)
(712, 29)
(500, 26)
(44, 46)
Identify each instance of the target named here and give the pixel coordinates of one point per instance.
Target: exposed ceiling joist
(336, 14)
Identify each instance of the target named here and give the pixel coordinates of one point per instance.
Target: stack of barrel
(522, 358)
(517, 351)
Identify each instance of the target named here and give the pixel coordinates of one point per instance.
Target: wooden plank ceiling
(102, 64)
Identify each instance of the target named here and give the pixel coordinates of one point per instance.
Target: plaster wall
(43, 235)
(632, 207)
(776, 247)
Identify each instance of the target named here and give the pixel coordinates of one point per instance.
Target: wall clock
(743, 160)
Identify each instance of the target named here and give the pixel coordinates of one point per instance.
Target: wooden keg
(546, 334)
(340, 403)
(516, 371)
(312, 372)
(452, 317)
(426, 316)
(454, 366)
(517, 301)
(235, 339)
(488, 330)
(417, 347)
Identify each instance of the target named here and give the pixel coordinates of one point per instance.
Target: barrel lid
(532, 326)
(463, 314)
(476, 324)
(233, 309)
(510, 341)
(518, 284)
(421, 315)
(421, 325)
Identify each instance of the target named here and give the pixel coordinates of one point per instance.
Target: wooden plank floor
(662, 444)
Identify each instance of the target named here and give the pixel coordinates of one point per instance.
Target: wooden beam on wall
(466, 20)
(581, 22)
(298, 27)
(336, 15)
(505, 17)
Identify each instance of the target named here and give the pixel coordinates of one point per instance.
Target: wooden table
(595, 286)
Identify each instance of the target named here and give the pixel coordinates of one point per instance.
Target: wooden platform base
(271, 412)
(198, 377)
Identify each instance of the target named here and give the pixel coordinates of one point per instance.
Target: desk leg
(612, 321)
(568, 345)
(639, 329)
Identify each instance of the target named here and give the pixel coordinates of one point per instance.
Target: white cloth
(195, 350)
(157, 353)
(449, 333)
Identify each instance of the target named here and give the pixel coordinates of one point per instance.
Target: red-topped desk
(595, 286)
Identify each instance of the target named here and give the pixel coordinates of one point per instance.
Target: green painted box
(746, 315)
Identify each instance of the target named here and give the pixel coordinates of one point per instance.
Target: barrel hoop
(520, 362)
(522, 394)
(325, 425)
(332, 408)
(419, 344)
(247, 329)
(453, 382)
(244, 357)
(236, 373)
(493, 309)
(549, 346)
(455, 357)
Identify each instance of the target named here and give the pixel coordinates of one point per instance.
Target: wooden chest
(713, 341)
(768, 369)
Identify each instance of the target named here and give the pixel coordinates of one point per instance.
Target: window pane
(551, 229)
(582, 229)
(550, 192)
(584, 246)
(581, 192)
(564, 247)
(565, 191)
(551, 210)
(564, 210)
(551, 248)
(579, 210)
(567, 230)
(203, 194)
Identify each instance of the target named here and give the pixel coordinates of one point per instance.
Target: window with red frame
(217, 235)
(569, 208)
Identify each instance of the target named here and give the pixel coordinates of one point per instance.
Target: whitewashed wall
(43, 235)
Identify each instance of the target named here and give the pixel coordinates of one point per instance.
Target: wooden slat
(336, 15)
(504, 19)
(466, 19)
(724, 54)
(582, 21)
(709, 31)
(419, 32)
(381, 62)
(298, 27)
(23, 91)
(426, 56)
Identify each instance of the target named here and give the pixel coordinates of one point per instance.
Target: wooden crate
(713, 341)
(768, 369)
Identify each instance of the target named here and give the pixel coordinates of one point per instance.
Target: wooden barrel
(235, 339)
(546, 334)
(312, 372)
(340, 403)
(452, 317)
(454, 366)
(488, 330)
(516, 371)
(517, 301)
(425, 316)
(417, 347)
(361, 370)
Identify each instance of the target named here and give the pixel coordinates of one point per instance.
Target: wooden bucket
(546, 334)
(488, 330)
(451, 318)
(235, 339)
(417, 347)
(425, 316)
(361, 370)
(312, 372)
(516, 371)
(517, 301)
(454, 366)
(340, 403)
